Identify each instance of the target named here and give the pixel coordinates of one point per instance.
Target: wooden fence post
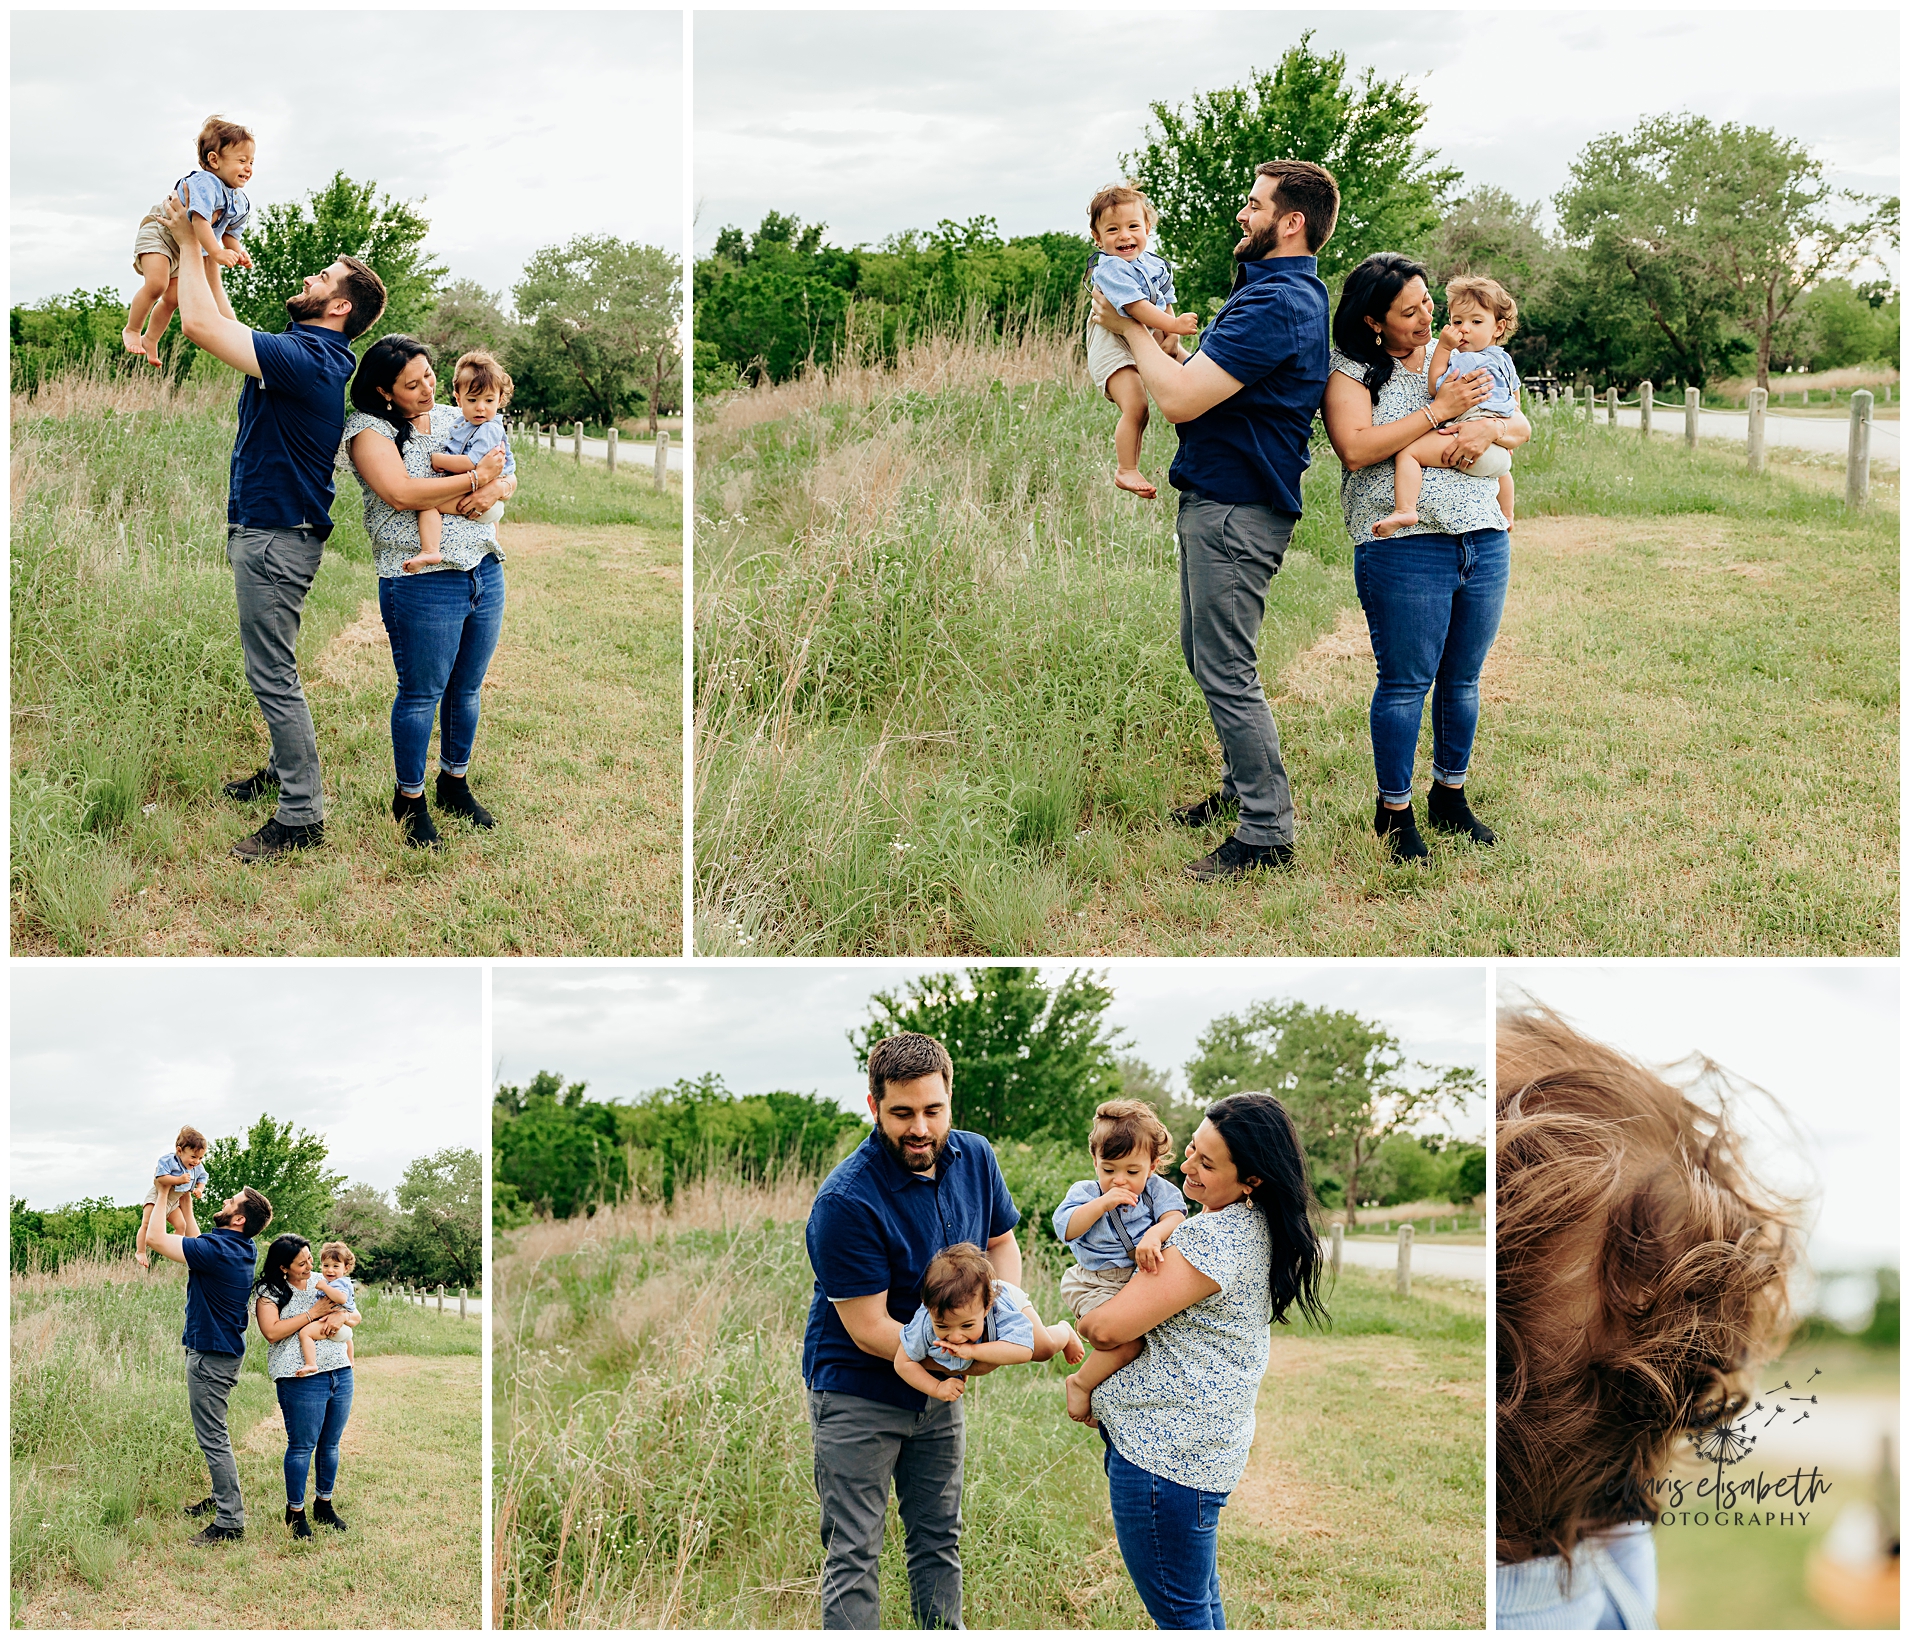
(1339, 1246)
(460, 1303)
(1694, 403)
(663, 458)
(577, 443)
(1611, 407)
(1403, 1273)
(440, 1298)
(1754, 431)
(1645, 391)
(1857, 466)
(610, 439)
(1568, 395)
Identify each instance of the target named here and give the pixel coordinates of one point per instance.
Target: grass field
(653, 1459)
(103, 1458)
(941, 707)
(130, 708)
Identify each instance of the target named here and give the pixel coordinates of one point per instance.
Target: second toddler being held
(1114, 1223)
(335, 1265)
(970, 1322)
(482, 389)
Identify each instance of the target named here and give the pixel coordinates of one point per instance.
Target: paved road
(1796, 432)
(631, 456)
(1472, 1264)
(473, 1305)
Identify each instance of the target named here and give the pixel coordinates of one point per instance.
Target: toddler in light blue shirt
(1481, 314)
(971, 1321)
(214, 197)
(179, 1177)
(1141, 285)
(482, 389)
(336, 1262)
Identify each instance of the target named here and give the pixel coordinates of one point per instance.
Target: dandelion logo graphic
(1723, 1443)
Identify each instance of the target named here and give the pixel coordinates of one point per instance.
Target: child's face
(962, 1326)
(1480, 329)
(478, 405)
(331, 1267)
(1130, 1171)
(1122, 231)
(191, 1157)
(233, 165)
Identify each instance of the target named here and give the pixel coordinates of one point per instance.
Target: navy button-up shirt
(873, 1228)
(220, 1283)
(1271, 337)
(291, 418)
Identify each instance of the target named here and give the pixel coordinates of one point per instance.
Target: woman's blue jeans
(316, 1409)
(1170, 1537)
(443, 626)
(1432, 606)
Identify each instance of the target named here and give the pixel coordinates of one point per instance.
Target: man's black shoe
(295, 1518)
(1448, 810)
(254, 786)
(414, 820)
(205, 1506)
(215, 1533)
(326, 1515)
(454, 797)
(1397, 830)
(273, 839)
(1204, 813)
(1235, 859)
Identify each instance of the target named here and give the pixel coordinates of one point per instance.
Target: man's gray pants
(272, 570)
(1228, 557)
(209, 1381)
(861, 1445)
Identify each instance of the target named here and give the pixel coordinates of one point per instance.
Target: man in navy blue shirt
(913, 1187)
(221, 1263)
(1244, 408)
(279, 506)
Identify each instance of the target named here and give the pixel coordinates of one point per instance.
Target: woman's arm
(1358, 443)
(379, 464)
(1146, 1301)
(486, 496)
(276, 1326)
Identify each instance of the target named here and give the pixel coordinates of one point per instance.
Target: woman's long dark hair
(382, 364)
(1260, 1137)
(273, 1281)
(1368, 293)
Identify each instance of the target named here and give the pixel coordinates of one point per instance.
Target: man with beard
(278, 511)
(1244, 407)
(217, 1290)
(913, 1187)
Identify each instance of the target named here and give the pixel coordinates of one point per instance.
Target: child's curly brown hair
(1642, 1276)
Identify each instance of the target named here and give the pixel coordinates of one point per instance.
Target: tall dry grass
(1873, 376)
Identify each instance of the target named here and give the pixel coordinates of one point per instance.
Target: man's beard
(308, 304)
(1256, 245)
(936, 1147)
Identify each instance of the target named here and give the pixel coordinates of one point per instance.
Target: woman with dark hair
(1432, 591)
(1178, 1421)
(443, 618)
(316, 1406)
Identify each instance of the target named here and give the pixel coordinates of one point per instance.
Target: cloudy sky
(784, 1027)
(387, 1064)
(1821, 1040)
(877, 121)
(517, 129)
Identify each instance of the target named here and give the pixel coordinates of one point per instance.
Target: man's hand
(1109, 317)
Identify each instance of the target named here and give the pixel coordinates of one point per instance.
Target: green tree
(76, 331)
(676, 1134)
(1031, 1061)
(1469, 1182)
(91, 1228)
(1835, 323)
(441, 1236)
(286, 1165)
(1197, 164)
(770, 302)
(466, 318)
(287, 241)
(611, 310)
(560, 1153)
(1345, 1080)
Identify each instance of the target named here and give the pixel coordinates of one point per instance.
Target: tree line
(1032, 1061)
(593, 335)
(426, 1231)
(1683, 250)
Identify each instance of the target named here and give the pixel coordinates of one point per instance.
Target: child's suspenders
(1120, 1226)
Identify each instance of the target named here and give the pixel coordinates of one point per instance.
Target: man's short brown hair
(190, 1138)
(956, 1277)
(366, 293)
(904, 1057)
(1123, 1126)
(255, 1212)
(1120, 194)
(1300, 185)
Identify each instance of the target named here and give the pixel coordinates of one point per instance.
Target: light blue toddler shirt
(478, 441)
(1146, 279)
(169, 1165)
(1505, 379)
(1101, 1248)
(227, 209)
(1006, 1325)
(1611, 1584)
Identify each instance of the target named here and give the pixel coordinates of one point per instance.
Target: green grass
(942, 710)
(130, 708)
(653, 1461)
(103, 1458)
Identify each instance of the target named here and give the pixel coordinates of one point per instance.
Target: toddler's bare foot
(143, 1259)
(1129, 478)
(133, 340)
(412, 565)
(1394, 521)
(1074, 1350)
(1080, 1402)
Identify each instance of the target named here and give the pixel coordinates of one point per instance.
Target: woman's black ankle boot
(454, 797)
(414, 819)
(295, 1518)
(326, 1515)
(1398, 832)
(1448, 810)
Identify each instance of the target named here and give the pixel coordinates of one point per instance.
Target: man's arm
(1004, 1252)
(868, 1322)
(166, 1244)
(1183, 391)
(199, 316)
